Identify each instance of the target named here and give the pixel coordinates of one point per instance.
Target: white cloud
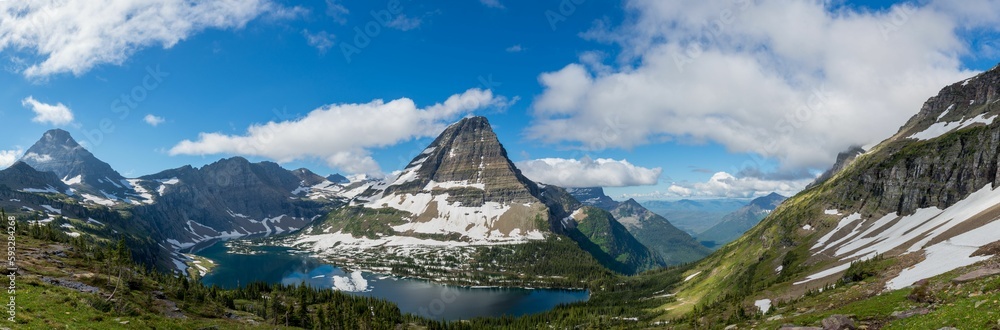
(515, 49)
(602, 172)
(404, 23)
(794, 81)
(725, 185)
(153, 120)
(57, 114)
(321, 40)
(38, 158)
(342, 134)
(9, 157)
(75, 36)
(337, 12)
(492, 4)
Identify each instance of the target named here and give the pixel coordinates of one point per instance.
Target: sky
(650, 99)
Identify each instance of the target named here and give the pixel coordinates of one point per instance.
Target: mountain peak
(466, 155)
(593, 196)
(59, 153)
(959, 105)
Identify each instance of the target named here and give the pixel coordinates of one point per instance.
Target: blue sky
(264, 61)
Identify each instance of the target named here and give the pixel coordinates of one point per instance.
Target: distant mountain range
(733, 225)
(671, 244)
(461, 193)
(695, 216)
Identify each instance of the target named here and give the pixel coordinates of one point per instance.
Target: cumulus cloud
(57, 114)
(337, 11)
(492, 4)
(343, 134)
(725, 185)
(9, 157)
(796, 81)
(404, 23)
(74, 36)
(322, 40)
(153, 120)
(585, 172)
(515, 49)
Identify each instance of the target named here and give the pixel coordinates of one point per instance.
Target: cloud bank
(795, 81)
(585, 172)
(343, 134)
(75, 36)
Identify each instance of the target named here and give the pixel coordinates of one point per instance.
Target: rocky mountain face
(229, 198)
(843, 159)
(460, 194)
(95, 180)
(926, 198)
(23, 177)
(672, 245)
(740, 221)
(463, 184)
(593, 196)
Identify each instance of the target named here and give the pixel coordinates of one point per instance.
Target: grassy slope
(619, 250)
(659, 235)
(744, 270)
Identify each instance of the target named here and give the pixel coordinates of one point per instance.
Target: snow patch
(48, 189)
(354, 283)
(939, 128)
(831, 212)
(51, 209)
(764, 305)
(890, 232)
(691, 276)
(72, 181)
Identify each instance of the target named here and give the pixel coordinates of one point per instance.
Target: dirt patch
(518, 216)
(991, 249)
(978, 220)
(70, 284)
(429, 214)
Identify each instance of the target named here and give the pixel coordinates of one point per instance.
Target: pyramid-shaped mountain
(464, 184)
(59, 153)
(462, 192)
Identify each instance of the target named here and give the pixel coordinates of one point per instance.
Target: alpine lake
(415, 296)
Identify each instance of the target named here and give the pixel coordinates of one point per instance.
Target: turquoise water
(419, 297)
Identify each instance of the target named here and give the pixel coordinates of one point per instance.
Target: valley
(501, 164)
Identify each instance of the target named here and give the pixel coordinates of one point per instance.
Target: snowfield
(891, 232)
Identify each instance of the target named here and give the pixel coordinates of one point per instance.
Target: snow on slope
(940, 128)
(869, 237)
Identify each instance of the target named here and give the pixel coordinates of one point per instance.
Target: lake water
(419, 297)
